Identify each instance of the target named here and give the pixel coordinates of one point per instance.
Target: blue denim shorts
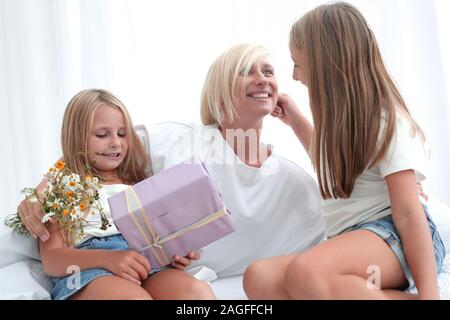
(386, 230)
(67, 286)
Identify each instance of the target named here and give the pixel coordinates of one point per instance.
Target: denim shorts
(67, 286)
(386, 230)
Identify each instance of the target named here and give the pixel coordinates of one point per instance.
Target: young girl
(97, 122)
(364, 146)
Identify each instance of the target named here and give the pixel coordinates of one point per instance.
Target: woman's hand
(31, 214)
(127, 264)
(182, 263)
(286, 110)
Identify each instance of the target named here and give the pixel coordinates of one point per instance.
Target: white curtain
(154, 55)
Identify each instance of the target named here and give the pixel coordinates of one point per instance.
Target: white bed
(21, 275)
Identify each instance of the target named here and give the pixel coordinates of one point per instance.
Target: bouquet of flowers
(68, 198)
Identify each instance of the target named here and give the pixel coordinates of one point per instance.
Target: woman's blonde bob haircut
(219, 94)
(350, 94)
(77, 123)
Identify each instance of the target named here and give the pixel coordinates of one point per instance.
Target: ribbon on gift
(137, 212)
(198, 224)
(156, 241)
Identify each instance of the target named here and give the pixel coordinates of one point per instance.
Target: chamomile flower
(67, 199)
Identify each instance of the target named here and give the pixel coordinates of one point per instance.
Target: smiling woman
(257, 90)
(263, 191)
(232, 80)
(240, 90)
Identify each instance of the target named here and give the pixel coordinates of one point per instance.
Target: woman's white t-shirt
(275, 208)
(370, 196)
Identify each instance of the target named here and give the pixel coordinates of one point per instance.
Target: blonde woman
(96, 123)
(239, 91)
(365, 147)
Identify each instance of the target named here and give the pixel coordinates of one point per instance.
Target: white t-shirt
(94, 221)
(275, 208)
(370, 194)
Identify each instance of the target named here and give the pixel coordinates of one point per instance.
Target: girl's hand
(127, 264)
(286, 110)
(182, 263)
(31, 214)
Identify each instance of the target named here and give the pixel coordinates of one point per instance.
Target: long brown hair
(350, 92)
(77, 122)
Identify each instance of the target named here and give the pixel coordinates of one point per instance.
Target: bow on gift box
(155, 243)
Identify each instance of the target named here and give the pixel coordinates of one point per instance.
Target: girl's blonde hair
(350, 92)
(219, 91)
(77, 123)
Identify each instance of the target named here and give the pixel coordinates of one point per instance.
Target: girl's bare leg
(111, 288)
(175, 284)
(264, 279)
(344, 267)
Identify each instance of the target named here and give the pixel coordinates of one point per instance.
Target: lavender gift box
(173, 212)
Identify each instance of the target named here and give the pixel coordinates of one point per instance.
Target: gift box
(171, 213)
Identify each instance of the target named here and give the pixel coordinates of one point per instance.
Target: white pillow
(24, 280)
(14, 247)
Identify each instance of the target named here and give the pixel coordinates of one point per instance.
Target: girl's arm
(289, 113)
(57, 258)
(411, 223)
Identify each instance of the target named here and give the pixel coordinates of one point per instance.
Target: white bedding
(21, 275)
(25, 280)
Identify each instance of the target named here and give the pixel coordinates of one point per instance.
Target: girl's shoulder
(407, 130)
(406, 150)
(405, 127)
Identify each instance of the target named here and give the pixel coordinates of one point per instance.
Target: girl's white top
(370, 195)
(94, 222)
